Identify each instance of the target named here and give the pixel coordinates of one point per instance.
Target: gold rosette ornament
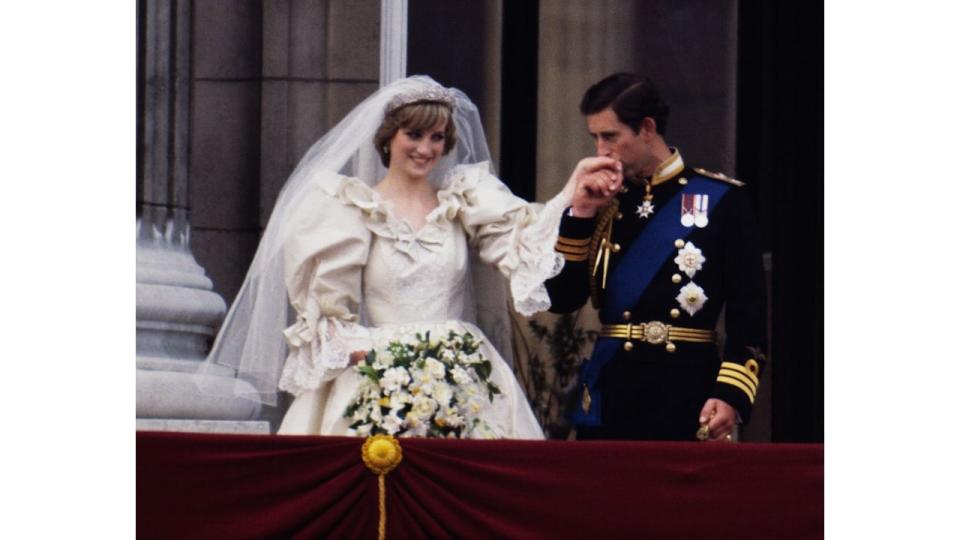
(381, 454)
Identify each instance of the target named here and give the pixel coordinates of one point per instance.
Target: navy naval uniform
(660, 281)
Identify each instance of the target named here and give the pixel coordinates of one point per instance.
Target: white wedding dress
(353, 255)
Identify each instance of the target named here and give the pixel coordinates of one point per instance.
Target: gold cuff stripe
(574, 251)
(737, 367)
(737, 375)
(738, 384)
(571, 256)
(578, 242)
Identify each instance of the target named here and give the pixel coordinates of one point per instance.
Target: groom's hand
(720, 417)
(597, 181)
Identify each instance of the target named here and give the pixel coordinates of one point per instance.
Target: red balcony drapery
(255, 486)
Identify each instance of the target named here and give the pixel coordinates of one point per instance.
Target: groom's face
(617, 140)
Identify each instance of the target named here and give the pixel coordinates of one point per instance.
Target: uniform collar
(670, 168)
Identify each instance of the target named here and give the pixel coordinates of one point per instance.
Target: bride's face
(415, 152)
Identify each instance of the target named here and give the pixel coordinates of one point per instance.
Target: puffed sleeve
(515, 236)
(327, 248)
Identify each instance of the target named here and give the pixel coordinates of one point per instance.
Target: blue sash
(629, 280)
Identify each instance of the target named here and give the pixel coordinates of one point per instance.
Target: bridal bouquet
(423, 387)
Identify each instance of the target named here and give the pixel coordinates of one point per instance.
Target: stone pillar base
(175, 395)
(204, 426)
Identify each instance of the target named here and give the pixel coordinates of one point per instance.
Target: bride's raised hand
(357, 356)
(594, 182)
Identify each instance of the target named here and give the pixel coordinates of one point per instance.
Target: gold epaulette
(600, 235)
(719, 176)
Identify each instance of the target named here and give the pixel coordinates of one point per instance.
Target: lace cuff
(516, 236)
(319, 351)
(537, 261)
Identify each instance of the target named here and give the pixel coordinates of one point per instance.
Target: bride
(370, 243)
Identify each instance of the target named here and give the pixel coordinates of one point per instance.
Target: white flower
(364, 430)
(448, 417)
(690, 259)
(375, 413)
(359, 414)
(423, 406)
(399, 399)
(691, 298)
(392, 423)
(435, 368)
(460, 375)
(384, 360)
(448, 355)
(443, 393)
(394, 378)
(416, 426)
(474, 405)
(422, 382)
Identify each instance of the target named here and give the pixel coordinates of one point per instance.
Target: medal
(693, 210)
(686, 210)
(700, 203)
(645, 210)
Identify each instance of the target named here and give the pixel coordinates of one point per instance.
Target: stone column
(177, 311)
(393, 40)
(580, 42)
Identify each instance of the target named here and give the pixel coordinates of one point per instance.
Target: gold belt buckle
(655, 332)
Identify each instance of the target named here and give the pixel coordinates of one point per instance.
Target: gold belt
(655, 333)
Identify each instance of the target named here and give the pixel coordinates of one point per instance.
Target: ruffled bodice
(352, 252)
(411, 275)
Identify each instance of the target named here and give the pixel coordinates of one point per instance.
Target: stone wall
(688, 48)
(230, 94)
(269, 79)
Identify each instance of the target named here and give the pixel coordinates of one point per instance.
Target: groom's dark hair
(631, 97)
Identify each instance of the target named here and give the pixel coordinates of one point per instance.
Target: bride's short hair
(420, 116)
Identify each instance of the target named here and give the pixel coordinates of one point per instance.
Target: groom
(660, 257)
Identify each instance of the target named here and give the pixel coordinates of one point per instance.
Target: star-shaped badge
(645, 210)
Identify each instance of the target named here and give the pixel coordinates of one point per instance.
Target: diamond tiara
(437, 94)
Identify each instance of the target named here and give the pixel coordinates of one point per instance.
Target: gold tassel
(599, 246)
(382, 525)
(604, 253)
